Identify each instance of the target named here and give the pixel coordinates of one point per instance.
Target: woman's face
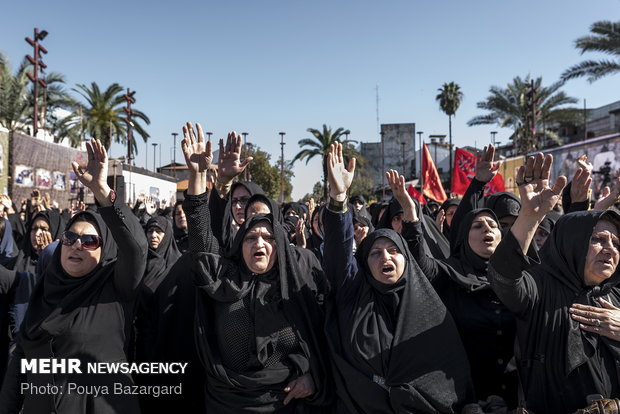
(75, 260)
(484, 235)
(316, 224)
(258, 207)
(397, 223)
(40, 235)
(540, 237)
(603, 253)
(179, 217)
(450, 214)
(259, 248)
(385, 261)
(239, 199)
(154, 236)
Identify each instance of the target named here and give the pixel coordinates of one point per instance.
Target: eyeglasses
(87, 241)
(241, 201)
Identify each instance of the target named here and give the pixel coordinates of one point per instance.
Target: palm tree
(103, 117)
(320, 146)
(605, 38)
(449, 99)
(512, 107)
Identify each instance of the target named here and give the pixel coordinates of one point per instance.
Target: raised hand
(609, 196)
(397, 184)
(440, 219)
(95, 175)
(300, 236)
(229, 164)
(486, 167)
(537, 197)
(339, 176)
(198, 154)
(580, 186)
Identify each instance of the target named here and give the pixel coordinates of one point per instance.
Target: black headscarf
(227, 221)
(274, 208)
(58, 295)
(296, 207)
(162, 258)
(26, 260)
(466, 268)
(293, 293)
(363, 211)
(447, 204)
(503, 204)
(563, 257)
(19, 230)
(7, 245)
(421, 358)
(181, 237)
(549, 221)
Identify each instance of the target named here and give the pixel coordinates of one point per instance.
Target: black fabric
(559, 363)
(19, 230)
(549, 221)
(225, 220)
(26, 260)
(161, 259)
(372, 335)
(8, 249)
(274, 208)
(447, 204)
(180, 235)
(84, 317)
(503, 204)
(293, 295)
(294, 206)
(363, 211)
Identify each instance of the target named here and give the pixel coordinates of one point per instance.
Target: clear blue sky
(268, 66)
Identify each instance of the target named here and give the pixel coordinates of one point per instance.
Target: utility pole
(154, 156)
(402, 144)
(382, 167)
(174, 155)
(36, 63)
(282, 167)
(130, 100)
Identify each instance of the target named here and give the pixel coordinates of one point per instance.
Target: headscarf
(58, 296)
(420, 359)
(293, 293)
(466, 268)
(7, 246)
(271, 204)
(227, 221)
(447, 204)
(503, 204)
(181, 236)
(363, 211)
(549, 221)
(296, 207)
(563, 257)
(162, 258)
(26, 260)
(19, 230)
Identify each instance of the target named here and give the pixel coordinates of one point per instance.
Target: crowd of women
(484, 304)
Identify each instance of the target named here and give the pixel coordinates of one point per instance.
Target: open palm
(339, 176)
(229, 163)
(537, 197)
(96, 173)
(198, 154)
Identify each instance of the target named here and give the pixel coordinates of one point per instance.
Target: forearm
(196, 183)
(413, 234)
(524, 229)
(338, 261)
(201, 238)
(132, 247)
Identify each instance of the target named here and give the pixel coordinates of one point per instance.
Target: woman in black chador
(394, 346)
(259, 321)
(82, 306)
(567, 302)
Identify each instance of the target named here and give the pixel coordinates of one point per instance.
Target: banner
(415, 194)
(465, 170)
(432, 183)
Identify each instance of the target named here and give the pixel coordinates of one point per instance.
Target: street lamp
(421, 149)
(402, 144)
(493, 133)
(282, 167)
(174, 155)
(154, 156)
(209, 135)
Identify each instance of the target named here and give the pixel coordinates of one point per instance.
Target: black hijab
(420, 359)
(181, 236)
(466, 268)
(162, 258)
(19, 230)
(445, 206)
(57, 296)
(563, 257)
(26, 260)
(503, 204)
(7, 245)
(294, 293)
(274, 208)
(227, 221)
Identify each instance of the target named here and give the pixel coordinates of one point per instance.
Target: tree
(102, 117)
(50, 99)
(605, 38)
(449, 99)
(320, 146)
(524, 109)
(267, 176)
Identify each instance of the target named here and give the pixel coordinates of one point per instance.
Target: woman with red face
(259, 324)
(82, 306)
(567, 302)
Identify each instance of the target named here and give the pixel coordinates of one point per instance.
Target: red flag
(432, 183)
(415, 194)
(465, 170)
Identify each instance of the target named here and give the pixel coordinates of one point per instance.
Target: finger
(339, 149)
(529, 166)
(584, 319)
(245, 163)
(538, 162)
(351, 167)
(559, 185)
(401, 182)
(221, 153)
(546, 167)
(606, 304)
(237, 141)
(208, 146)
(201, 136)
(586, 311)
(491, 153)
(520, 176)
(605, 193)
(589, 328)
(89, 150)
(76, 169)
(190, 133)
(297, 391)
(229, 142)
(577, 175)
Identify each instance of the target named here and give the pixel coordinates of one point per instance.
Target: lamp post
(130, 100)
(493, 133)
(209, 135)
(245, 154)
(382, 167)
(402, 144)
(421, 149)
(174, 155)
(154, 156)
(282, 167)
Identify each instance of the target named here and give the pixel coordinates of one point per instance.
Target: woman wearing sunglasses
(82, 306)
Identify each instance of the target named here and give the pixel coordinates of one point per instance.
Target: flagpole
(421, 165)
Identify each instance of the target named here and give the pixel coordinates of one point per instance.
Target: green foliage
(508, 107)
(266, 175)
(449, 98)
(14, 102)
(316, 194)
(605, 38)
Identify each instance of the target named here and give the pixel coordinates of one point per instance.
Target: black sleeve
(471, 201)
(433, 269)
(509, 279)
(199, 229)
(11, 397)
(132, 248)
(217, 207)
(7, 280)
(339, 263)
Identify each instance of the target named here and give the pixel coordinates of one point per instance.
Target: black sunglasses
(87, 241)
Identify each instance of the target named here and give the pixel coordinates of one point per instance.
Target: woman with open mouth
(394, 346)
(259, 319)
